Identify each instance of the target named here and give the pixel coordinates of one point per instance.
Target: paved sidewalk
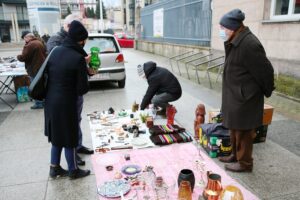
(25, 153)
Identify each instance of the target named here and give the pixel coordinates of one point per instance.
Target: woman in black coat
(67, 71)
(248, 77)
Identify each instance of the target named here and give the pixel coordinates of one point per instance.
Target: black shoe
(57, 171)
(79, 173)
(228, 159)
(79, 160)
(162, 112)
(37, 107)
(85, 150)
(237, 167)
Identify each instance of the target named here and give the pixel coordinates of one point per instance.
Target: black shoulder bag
(37, 87)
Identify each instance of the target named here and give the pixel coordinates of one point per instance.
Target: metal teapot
(214, 187)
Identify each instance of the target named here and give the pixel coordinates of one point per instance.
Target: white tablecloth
(106, 131)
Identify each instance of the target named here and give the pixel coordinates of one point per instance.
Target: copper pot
(214, 187)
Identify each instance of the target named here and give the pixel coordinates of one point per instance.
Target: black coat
(248, 76)
(160, 80)
(67, 80)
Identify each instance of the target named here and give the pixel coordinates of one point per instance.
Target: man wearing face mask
(248, 77)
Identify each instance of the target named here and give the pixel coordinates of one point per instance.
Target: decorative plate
(131, 169)
(112, 189)
(139, 141)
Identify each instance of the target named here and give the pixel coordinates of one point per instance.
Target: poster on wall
(158, 22)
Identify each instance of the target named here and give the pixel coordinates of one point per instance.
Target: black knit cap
(77, 31)
(24, 33)
(233, 19)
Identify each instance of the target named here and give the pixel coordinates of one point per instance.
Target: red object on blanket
(170, 111)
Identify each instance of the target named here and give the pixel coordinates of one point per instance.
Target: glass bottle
(95, 59)
(185, 191)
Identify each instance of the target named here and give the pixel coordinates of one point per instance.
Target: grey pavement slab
(64, 189)
(286, 134)
(27, 191)
(26, 152)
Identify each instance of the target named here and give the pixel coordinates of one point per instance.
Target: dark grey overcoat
(248, 76)
(68, 79)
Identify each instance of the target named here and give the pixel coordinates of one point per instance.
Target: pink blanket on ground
(167, 162)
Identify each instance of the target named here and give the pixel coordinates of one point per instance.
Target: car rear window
(106, 44)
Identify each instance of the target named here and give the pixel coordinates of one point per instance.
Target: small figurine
(109, 168)
(127, 157)
(199, 119)
(118, 175)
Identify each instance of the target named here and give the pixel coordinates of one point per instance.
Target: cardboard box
(20, 81)
(212, 114)
(268, 114)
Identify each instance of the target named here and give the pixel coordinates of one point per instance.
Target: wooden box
(268, 114)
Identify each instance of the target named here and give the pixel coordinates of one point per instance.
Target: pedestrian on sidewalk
(248, 77)
(67, 79)
(163, 86)
(33, 55)
(57, 40)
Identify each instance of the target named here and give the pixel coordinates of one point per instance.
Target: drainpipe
(17, 28)
(13, 26)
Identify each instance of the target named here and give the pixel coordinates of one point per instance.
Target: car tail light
(120, 58)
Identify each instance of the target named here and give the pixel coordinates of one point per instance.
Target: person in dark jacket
(33, 54)
(248, 77)
(68, 79)
(57, 40)
(163, 86)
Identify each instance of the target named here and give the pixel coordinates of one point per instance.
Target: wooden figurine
(199, 119)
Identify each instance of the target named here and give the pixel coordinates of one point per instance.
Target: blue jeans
(69, 154)
(79, 111)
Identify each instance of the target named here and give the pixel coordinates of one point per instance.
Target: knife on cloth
(121, 147)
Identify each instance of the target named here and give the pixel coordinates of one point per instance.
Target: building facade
(115, 18)
(132, 15)
(275, 22)
(13, 20)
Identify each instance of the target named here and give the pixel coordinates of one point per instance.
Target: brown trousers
(242, 146)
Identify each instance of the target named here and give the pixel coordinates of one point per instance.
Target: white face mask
(223, 35)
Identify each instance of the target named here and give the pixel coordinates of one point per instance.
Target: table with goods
(10, 69)
(141, 156)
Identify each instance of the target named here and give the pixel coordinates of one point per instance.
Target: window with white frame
(285, 10)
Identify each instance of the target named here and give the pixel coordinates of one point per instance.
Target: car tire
(121, 83)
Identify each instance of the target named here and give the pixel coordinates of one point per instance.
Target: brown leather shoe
(228, 159)
(237, 167)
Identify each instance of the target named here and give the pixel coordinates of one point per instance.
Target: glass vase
(185, 191)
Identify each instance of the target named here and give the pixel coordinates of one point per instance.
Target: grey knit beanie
(140, 70)
(233, 19)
